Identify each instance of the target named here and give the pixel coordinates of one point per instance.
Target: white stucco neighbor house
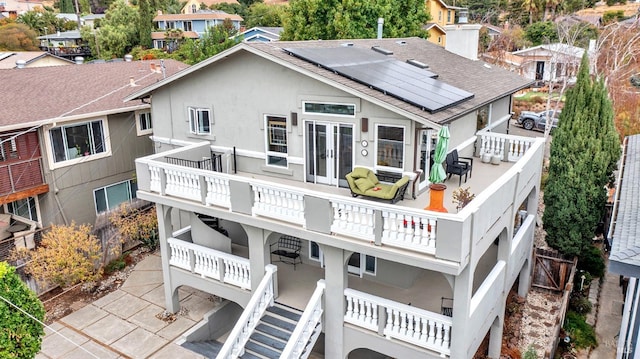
(252, 149)
(550, 62)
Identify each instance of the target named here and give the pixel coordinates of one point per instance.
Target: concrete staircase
(267, 341)
(272, 333)
(213, 223)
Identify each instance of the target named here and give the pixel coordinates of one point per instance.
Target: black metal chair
(457, 167)
(466, 160)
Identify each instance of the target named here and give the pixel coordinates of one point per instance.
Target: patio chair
(446, 307)
(457, 167)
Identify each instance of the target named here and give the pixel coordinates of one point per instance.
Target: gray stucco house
(252, 148)
(68, 141)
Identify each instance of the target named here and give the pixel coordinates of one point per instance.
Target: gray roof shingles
(625, 249)
(486, 82)
(45, 93)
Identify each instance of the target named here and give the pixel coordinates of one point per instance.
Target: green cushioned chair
(363, 182)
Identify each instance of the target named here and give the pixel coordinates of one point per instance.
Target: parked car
(538, 120)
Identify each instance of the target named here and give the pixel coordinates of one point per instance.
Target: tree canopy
(584, 153)
(260, 14)
(17, 37)
(352, 19)
(21, 335)
(541, 33)
(216, 39)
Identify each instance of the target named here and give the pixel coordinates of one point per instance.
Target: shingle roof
(8, 59)
(486, 82)
(43, 93)
(625, 249)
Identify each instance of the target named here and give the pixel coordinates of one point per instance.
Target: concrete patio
(123, 324)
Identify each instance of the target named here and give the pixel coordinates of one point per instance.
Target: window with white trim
(8, 148)
(200, 120)
(109, 197)
(144, 124)
(330, 109)
(77, 140)
(276, 131)
(390, 142)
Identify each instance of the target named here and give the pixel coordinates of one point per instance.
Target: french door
(359, 263)
(426, 145)
(329, 152)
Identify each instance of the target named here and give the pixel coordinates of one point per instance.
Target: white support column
(336, 281)
(495, 338)
(462, 287)
(259, 255)
(165, 230)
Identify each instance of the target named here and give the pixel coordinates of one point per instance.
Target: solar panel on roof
(392, 77)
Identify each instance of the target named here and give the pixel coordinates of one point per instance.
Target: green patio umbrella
(437, 174)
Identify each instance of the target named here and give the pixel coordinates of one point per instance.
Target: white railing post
(409, 229)
(307, 330)
(261, 299)
(278, 202)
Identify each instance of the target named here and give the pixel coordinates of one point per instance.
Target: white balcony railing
(210, 263)
(279, 203)
(514, 146)
(308, 329)
(401, 322)
(261, 299)
(409, 230)
(353, 219)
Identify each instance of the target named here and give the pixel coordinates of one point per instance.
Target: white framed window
(370, 264)
(194, 9)
(390, 146)
(329, 109)
(78, 140)
(8, 148)
(200, 120)
(144, 125)
(187, 26)
(109, 197)
(276, 141)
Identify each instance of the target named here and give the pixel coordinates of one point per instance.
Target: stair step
(207, 348)
(268, 341)
(278, 323)
(285, 312)
(262, 350)
(274, 332)
(248, 355)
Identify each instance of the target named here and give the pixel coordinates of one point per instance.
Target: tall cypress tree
(584, 153)
(146, 8)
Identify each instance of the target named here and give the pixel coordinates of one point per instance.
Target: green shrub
(591, 261)
(543, 180)
(530, 353)
(579, 303)
(115, 265)
(582, 334)
(21, 336)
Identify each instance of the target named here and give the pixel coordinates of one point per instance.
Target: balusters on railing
(406, 323)
(409, 231)
(491, 142)
(179, 256)
(183, 184)
(154, 179)
(278, 203)
(353, 220)
(517, 148)
(237, 273)
(218, 191)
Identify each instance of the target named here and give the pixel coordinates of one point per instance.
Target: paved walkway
(609, 317)
(123, 324)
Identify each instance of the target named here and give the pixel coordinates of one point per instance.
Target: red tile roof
(198, 16)
(46, 93)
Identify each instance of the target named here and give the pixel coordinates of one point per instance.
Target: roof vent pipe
(463, 16)
(20, 64)
(78, 60)
(380, 25)
(128, 57)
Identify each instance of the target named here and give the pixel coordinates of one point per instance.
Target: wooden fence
(555, 273)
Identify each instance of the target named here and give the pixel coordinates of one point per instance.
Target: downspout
(55, 196)
(380, 25)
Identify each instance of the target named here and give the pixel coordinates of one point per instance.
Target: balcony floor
(484, 174)
(296, 287)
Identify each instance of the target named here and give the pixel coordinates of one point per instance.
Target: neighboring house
(441, 16)
(10, 60)
(67, 44)
(261, 34)
(257, 166)
(13, 8)
(193, 6)
(551, 62)
(191, 26)
(69, 155)
(493, 31)
(625, 246)
(90, 20)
